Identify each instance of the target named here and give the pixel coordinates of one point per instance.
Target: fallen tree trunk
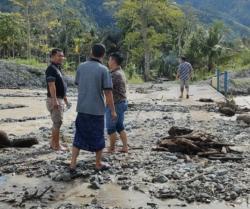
(16, 142)
(195, 143)
(24, 142)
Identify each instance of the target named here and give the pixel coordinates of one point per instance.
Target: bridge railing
(221, 81)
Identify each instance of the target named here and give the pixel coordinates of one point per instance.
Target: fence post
(218, 79)
(226, 82)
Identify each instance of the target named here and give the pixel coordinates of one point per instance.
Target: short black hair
(98, 50)
(55, 51)
(183, 58)
(117, 57)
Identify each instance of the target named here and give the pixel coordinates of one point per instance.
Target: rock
(4, 140)
(160, 179)
(220, 187)
(244, 118)
(166, 194)
(85, 174)
(60, 176)
(152, 205)
(227, 111)
(125, 187)
(96, 178)
(206, 100)
(122, 178)
(233, 195)
(205, 195)
(141, 90)
(94, 185)
(171, 157)
(237, 189)
(179, 131)
(190, 199)
(221, 172)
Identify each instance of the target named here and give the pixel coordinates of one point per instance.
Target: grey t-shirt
(92, 78)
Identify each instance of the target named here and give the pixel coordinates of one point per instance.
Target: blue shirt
(92, 77)
(185, 70)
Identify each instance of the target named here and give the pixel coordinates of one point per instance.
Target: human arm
(191, 72)
(107, 86)
(52, 90)
(110, 102)
(178, 73)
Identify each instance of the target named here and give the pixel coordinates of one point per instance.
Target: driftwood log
(208, 100)
(4, 140)
(199, 143)
(16, 142)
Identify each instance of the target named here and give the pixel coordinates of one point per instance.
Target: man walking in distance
(94, 81)
(56, 95)
(184, 73)
(121, 104)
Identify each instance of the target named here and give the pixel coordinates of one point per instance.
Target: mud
(141, 179)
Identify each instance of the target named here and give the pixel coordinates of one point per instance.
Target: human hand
(55, 103)
(113, 115)
(68, 105)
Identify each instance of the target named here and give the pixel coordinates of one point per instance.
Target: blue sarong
(89, 133)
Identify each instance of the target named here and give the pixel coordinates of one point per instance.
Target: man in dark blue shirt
(56, 95)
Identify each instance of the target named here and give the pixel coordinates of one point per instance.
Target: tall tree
(26, 8)
(12, 31)
(213, 43)
(144, 23)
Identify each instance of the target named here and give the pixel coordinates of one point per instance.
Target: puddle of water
(110, 195)
(3, 180)
(20, 180)
(36, 107)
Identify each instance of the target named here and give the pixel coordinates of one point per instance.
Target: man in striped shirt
(184, 74)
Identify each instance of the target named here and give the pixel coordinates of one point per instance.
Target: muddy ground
(38, 177)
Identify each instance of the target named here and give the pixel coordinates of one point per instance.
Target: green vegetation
(31, 62)
(151, 34)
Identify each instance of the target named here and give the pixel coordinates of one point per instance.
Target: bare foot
(59, 148)
(124, 150)
(109, 150)
(63, 148)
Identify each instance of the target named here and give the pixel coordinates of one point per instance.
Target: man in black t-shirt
(56, 95)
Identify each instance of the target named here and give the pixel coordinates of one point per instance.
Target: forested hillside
(234, 13)
(234, 9)
(151, 34)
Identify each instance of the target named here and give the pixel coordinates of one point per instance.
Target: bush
(245, 58)
(31, 62)
(132, 76)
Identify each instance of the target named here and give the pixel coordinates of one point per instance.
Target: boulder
(244, 118)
